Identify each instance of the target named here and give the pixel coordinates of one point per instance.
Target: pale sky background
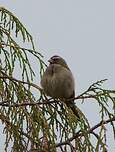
(81, 31)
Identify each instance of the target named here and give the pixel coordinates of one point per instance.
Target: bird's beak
(50, 61)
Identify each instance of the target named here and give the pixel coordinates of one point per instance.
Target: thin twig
(80, 134)
(19, 81)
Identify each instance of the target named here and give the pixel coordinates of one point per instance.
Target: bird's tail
(74, 108)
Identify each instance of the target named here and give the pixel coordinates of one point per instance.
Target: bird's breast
(58, 82)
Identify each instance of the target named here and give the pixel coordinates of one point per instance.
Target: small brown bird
(58, 82)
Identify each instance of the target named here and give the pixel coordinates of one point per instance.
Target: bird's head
(58, 60)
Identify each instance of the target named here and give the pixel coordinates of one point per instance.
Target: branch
(80, 134)
(26, 103)
(19, 81)
(48, 101)
(81, 96)
(22, 48)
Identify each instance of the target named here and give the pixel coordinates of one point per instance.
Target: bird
(58, 82)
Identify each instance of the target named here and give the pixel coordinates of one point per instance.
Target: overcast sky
(81, 31)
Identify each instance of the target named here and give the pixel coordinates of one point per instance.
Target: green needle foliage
(33, 122)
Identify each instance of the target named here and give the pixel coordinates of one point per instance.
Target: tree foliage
(32, 121)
